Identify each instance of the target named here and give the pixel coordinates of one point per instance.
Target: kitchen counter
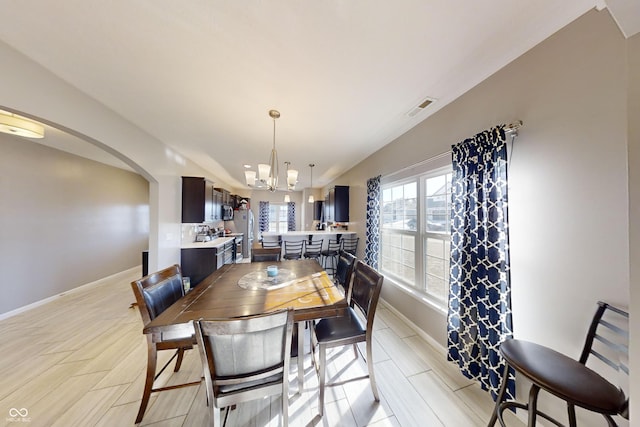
(217, 242)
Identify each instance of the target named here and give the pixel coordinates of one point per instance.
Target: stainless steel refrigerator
(243, 223)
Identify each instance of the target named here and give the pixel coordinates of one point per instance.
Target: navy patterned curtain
(479, 316)
(291, 216)
(263, 217)
(372, 233)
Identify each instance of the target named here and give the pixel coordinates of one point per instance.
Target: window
(278, 218)
(415, 232)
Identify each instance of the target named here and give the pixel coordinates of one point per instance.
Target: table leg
(301, 356)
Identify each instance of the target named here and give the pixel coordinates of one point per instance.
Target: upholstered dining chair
(313, 249)
(245, 359)
(356, 326)
(569, 379)
(155, 293)
(344, 270)
(293, 249)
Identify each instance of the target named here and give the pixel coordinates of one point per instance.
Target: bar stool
(331, 254)
(313, 250)
(350, 244)
(293, 249)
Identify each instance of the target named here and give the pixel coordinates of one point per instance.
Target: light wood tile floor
(79, 361)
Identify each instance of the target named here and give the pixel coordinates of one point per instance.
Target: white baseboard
(428, 338)
(70, 291)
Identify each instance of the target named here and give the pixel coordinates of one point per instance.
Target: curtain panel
(372, 232)
(291, 216)
(479, 317)
(263, 217)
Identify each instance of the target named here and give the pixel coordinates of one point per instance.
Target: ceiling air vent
(424, 104)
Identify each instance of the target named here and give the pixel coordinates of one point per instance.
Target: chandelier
(267, 176)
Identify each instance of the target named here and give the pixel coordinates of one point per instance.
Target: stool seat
(563, 376)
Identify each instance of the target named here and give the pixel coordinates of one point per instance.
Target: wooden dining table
(237, 290)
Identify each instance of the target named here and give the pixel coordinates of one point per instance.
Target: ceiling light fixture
(311, 165)
(268, 174)
(292, 177)
(16, 125)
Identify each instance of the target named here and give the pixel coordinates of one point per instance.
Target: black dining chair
(569, 379)
(246, 359)
(354, 327)
(344, 270)
(154, 294)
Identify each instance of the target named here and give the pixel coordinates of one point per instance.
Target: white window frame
(418, 174)
(275, 224)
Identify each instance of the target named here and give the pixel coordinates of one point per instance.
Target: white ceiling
(201, 75)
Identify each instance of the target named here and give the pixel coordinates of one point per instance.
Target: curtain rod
(510, 128)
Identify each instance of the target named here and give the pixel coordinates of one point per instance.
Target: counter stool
(569, 379)
(330, 256)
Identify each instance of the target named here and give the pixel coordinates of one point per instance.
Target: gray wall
(64, 221)
(568, 207)
(634, 212)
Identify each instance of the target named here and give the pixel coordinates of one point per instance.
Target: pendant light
(268, 174)
(311, 165)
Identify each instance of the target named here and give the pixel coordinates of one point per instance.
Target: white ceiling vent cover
(424, 104)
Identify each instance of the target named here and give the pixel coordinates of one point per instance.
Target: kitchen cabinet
(197, 202)
(216, 205)
(224, 253)
(337, 204)
(318, 210)
(225, 196)
(197, 263)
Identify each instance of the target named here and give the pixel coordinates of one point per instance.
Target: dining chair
(344, 270)
(245, 358)
(354, 327)
(293, 249)
(569, 379)
(330, 255)
(350, 243)
(154, 294)
(313, 250)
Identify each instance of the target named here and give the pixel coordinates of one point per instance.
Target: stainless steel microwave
(227, 213)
